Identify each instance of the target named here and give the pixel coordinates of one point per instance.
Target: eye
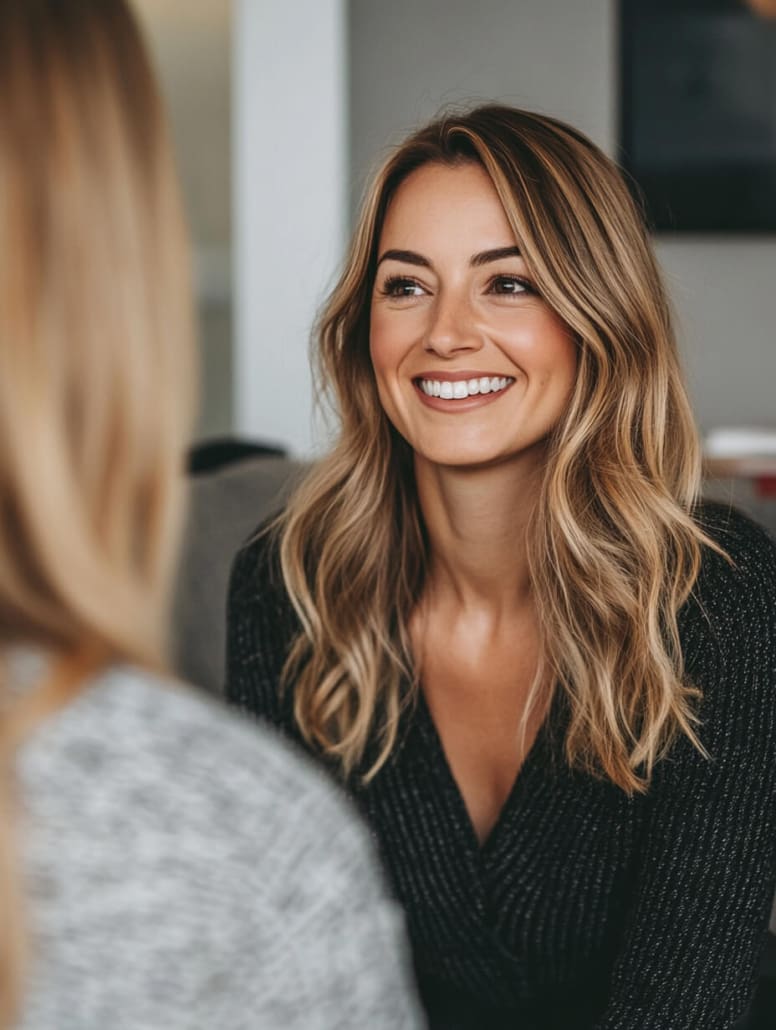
(510, 286)
(401, 286)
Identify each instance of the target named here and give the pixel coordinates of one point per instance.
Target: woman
(500, 612)
(162, 870)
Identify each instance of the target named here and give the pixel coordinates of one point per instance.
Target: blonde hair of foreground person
(96, 374)
(613, 548)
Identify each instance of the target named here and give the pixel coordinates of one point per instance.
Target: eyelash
(390, 287)
(526, 285)
(394, 284)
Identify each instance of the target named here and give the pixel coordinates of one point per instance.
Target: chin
(474, 454)
(463, 457)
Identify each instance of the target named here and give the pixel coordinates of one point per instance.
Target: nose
(452, 328)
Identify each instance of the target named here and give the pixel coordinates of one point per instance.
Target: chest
(478, 693)
(543, 897)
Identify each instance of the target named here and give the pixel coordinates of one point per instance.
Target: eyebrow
(485, 257)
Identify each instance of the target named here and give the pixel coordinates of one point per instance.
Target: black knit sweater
(585, 908)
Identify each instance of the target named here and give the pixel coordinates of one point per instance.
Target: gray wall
(408, 58)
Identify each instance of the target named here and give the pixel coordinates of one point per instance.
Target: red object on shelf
(765, 486)
(760, 470)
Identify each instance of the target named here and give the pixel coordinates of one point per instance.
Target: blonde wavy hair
(613, 547)
(96, 368)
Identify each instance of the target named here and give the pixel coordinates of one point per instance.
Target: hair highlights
(613, 547)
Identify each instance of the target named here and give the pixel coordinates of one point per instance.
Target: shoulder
(750, 546)
(217, 849)
(261, 626)
(157, 745)
(738, 586)
(165, 783)
(728, 631)
(256, 566)
(257, 592)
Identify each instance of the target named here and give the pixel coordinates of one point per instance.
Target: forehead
(442, 205)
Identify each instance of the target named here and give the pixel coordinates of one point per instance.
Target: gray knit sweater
(181, 872)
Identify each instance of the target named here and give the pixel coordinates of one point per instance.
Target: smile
(461, 389)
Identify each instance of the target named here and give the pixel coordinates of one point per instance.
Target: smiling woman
(500, 613)
(459, 307)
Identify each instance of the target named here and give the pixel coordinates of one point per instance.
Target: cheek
(389, 402)
(550, 348)
(376, 341)
(376, 354)
(567, 359)
(395, 334)
(382, 364)
(385, 347)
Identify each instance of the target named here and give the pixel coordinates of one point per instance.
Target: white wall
(558, 56)
(192, 43)
(290, 175)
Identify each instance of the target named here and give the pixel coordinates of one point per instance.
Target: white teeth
(462, 388)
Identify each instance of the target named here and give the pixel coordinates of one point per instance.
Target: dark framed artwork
(698, 113)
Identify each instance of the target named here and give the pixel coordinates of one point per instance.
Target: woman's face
(472, 366)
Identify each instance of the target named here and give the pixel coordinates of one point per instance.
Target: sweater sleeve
(260, 627)
(707, 867)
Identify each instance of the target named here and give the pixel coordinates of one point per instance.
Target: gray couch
(225, 507)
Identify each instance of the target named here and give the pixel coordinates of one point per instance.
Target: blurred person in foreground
(500, 611)
(159, 870)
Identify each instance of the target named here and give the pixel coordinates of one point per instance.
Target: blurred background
(192, 44)
(279, 111)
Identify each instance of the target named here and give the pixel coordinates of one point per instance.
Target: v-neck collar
(522, 782)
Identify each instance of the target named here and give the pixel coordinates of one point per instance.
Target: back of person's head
(95, 332)
(96, 369)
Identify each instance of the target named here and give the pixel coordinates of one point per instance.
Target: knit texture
(185, 873)
(584, 908)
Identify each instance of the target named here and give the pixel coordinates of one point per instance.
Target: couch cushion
(225, 507)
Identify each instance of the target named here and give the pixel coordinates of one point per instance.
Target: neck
(477, 520)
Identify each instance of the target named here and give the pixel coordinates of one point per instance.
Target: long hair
(96, 369)
(613, 548)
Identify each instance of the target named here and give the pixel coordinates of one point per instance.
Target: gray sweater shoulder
(184, 869)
